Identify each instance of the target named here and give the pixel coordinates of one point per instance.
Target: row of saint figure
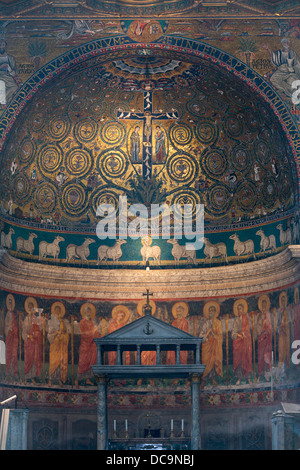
(247, 343)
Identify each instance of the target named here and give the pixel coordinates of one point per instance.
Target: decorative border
(146, 398)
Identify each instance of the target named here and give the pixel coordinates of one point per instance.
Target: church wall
(234, 428)
(63, 412)
(105, 318)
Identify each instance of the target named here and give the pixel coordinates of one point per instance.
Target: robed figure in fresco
(212, 352)
(32, 337)
(241, 341)
(180, 311)
(120, 316)
(160, 145)
(11, 339)
(288, 68)
(87, 349)
(58, 336)
(283, 330)
(8, 72)
(135, 145)
(264, 338)
(296, 314)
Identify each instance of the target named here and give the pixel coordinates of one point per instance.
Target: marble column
(17, 429)
(196, 414)
(278, 431)
(102, 431)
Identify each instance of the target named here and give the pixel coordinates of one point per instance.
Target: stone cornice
(122, 9)
(276, 272)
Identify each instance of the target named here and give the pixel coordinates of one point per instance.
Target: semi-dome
(157, 128)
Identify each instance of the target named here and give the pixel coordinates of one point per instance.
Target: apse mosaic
(149, 125)
(158, 130)
(246, 341)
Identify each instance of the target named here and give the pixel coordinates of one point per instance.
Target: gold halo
(141, 304)
(58, 304)
(211, 303)
(10, 296)
(84, 306)
(121, 308)
(237, 302)
(180, 304)
(260, 301)
(283, 294)
(30, 300)
(143, 239)
(296, 295)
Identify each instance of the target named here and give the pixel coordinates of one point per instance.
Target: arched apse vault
(188, 47)
(227, 117)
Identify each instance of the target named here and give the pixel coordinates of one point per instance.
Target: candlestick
(115, 428)
(182, 428)
(172, 432)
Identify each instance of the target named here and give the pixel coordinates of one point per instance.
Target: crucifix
(147, 308)
(146, 118)
(149, 416)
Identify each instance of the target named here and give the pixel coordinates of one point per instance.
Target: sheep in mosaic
(266, 243)
(285, 235)
(26, 245)
(82, 252)
(50, 249)
(180, 251)
(218, 250)
(110, 252)
(148, 251)
(6, 238)
(242, 248)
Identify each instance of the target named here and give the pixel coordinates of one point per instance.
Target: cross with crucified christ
(147, 117)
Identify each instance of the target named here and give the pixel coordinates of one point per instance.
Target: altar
(148, 337)
(150, 444)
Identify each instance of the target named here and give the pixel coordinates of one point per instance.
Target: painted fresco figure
(212, 352)
(242, 345)
(162, 313)
(87, 349)
(288, 68)
(211, 331)
(8, 72)
(160, 145)
(32, 337)
(2, 356)
(180, 311)
(296, 314)
(120, 316)
(283, 329)
(264, 338)
(11, 339)
(135, 145)
(58, 336)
